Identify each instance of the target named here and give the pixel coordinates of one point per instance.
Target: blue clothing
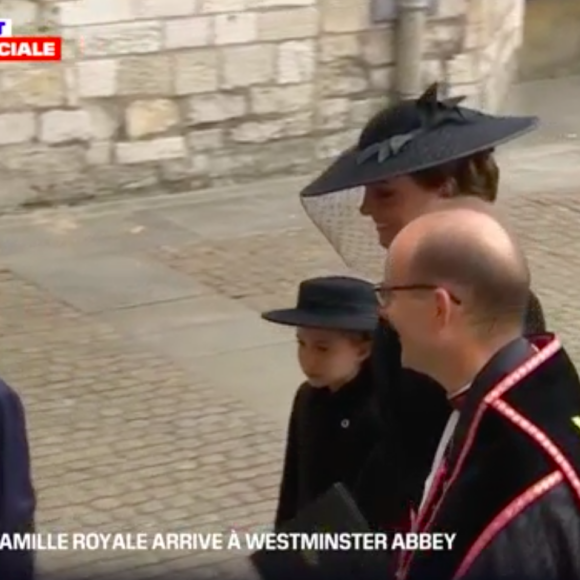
(17, 497)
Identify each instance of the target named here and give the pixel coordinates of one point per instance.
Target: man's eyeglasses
(385, 293)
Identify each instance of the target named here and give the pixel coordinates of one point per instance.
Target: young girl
(333, 425)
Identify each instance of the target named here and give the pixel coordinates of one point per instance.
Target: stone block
(378, 46)
(40, 159)
(235, 28)
(444, 38)
(276, 99)
(22, 14)
(451, 8)
(33, 87)
(256, 132)
(332, 48)
(99, 153)
(296, 61)
(342, 79)
(215, 108)
(63, 126)
(151, 117)
(97, 78)
(287, 24)
(43, 172)
(514, 20)
(196, 71)
(201, 140)
(104, 120)
(332, 114)
(432, 71)
(147, 151)
(251, 4)
(489, 59)
(187, 32)
(163, 8)
(120, 39)
(17, 128)
(143, 178)
(333, 145)
(258, 65)
(217, 6)
(145, 75)
(88, 12)
(381, 79)
(287, 157)
(229, 165)
(464, 68)
(478, 25)
(344, 15)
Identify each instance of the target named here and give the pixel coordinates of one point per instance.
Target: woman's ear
(449, 188)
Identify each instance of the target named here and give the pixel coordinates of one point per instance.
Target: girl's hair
(360, 335)
(476, 175)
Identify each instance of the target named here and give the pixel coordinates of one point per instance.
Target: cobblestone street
(124, 441)
(156, 397)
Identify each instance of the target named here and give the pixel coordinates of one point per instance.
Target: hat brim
(445, 144)
(299, 318)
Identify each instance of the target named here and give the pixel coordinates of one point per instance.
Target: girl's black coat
(330, 437)
(414, 411)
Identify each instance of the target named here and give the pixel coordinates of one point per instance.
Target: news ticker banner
(233, 541)
(27, 48)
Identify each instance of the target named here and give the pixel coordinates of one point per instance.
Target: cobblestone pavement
(123, 441)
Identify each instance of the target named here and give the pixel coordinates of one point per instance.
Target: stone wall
(158, 96)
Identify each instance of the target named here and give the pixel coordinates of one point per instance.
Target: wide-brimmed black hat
(331, 302)
(414, 135)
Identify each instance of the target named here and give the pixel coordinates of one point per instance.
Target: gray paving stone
(106, 282)
(267, 375)
(177, 314)
(186, 344)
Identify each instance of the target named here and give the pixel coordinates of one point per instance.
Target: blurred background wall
(158, 96)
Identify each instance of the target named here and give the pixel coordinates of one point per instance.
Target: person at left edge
(333, 425)
(17, 497)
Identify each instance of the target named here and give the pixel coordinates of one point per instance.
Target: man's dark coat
(509, 485)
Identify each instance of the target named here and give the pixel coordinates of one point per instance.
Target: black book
(334, 512)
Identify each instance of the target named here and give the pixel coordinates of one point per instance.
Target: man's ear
(443, 304)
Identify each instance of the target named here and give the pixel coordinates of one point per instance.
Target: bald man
(505, 478)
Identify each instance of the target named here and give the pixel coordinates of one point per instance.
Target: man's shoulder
(545, 406)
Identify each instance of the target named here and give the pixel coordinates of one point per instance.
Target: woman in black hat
(333, 424)
(408, 158)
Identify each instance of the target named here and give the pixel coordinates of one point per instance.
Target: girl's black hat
(333, 303)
